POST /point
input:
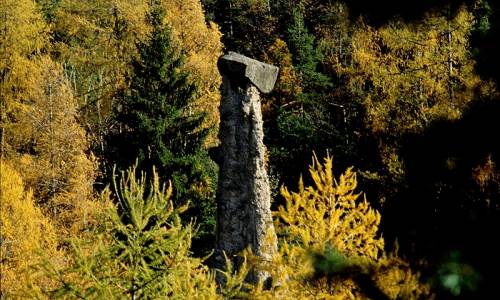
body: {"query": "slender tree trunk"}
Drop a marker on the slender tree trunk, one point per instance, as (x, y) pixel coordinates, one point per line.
(53, 182)
(450, 58)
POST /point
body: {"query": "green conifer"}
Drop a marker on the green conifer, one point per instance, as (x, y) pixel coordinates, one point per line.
(306, 55)
(158, 125)
(140, 250)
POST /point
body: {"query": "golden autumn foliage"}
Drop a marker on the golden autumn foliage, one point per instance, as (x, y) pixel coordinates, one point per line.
(289, 83)
(486, 174)
(40, 132)
(98, 41)
(23, 35)
(414, 73)
(56, 166)
(23, 30)
(25, 231)
(405, 76)
(395, 277)
(95, 44)
(346, 86)
(203, 47)
(330, 212)
(331, 220)
(154, 258)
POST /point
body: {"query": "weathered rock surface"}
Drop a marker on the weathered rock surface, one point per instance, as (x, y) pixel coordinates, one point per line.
(241, 69)
(243, 196)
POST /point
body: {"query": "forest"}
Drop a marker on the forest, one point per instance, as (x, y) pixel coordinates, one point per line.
(379, 136)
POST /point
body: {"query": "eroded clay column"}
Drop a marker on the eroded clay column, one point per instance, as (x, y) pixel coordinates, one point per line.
(243, 196)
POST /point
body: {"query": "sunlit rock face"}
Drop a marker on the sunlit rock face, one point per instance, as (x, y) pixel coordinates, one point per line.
(243, 196)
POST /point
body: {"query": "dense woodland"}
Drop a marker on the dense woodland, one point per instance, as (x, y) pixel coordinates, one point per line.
(381, 136)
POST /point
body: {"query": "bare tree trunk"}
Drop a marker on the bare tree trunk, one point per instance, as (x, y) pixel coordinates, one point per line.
(53, 183)
(450, 58)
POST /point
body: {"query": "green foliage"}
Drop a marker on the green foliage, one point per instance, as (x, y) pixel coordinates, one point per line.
(49, 8)
(330, 263)
(159, 127)
(309, 115)
(140, 250)
(154, 115)
(482, 13)
(202, 45)
(457, 276)
(249, 25)
(306, 55)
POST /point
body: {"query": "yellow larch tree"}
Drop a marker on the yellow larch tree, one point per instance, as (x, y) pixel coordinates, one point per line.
(328, 240)
(23, 34)
(417, 72)
(24, 232)
(202, 45)
(331, 212)
(56, 166)
(95, 41)
(40, 134)
(328, 214)
(289, 83)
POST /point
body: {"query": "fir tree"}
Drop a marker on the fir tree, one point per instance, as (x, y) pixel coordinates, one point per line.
(306, 55)
(159, 127)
